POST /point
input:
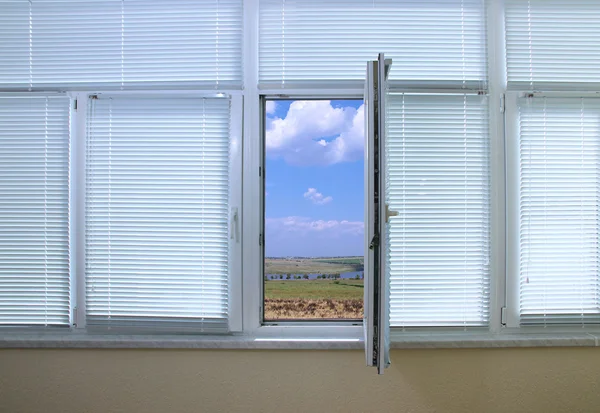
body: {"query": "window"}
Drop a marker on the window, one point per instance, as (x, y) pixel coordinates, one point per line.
(552, 138)
(552, 45)
(131, 201)
(438, 160)
(139, 227)
(34, 211)
(157, 213)
(434, 43)
(559, 207)
(438, 175)
(121, 44)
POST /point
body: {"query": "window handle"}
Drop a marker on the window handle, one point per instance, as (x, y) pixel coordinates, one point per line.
(233, 224)
(389, 213)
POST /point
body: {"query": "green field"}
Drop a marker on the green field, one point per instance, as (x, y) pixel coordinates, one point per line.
(315, 289)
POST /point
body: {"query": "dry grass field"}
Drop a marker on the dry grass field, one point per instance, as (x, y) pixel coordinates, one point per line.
(313, 299)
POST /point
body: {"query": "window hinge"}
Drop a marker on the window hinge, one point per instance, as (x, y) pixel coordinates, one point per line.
(74, 316)
(75, 105)
(503, 316)
(502, 103)
(260, 239)
(260, 171)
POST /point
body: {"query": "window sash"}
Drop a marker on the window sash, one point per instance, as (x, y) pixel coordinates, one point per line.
(555, 273)
(166, 161)
(438, 181)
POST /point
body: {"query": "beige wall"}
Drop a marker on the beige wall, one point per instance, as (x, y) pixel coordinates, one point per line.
(170, 381)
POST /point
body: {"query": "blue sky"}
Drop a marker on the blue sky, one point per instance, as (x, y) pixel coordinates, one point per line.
(314, 178)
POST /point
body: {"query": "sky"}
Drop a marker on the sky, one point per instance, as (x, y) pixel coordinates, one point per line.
(314, 204)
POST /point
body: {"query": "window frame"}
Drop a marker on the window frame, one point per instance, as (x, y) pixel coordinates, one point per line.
(513, 213)
(308, 94)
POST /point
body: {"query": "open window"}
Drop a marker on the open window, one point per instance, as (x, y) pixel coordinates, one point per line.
(313, 210)
(376, 321)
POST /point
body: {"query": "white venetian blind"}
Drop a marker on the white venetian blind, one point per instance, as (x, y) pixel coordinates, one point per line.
(120, 43)
(157, 213)
(559, 207)
(553, 44)
(325, 43)
(34, 211)
(438, 181)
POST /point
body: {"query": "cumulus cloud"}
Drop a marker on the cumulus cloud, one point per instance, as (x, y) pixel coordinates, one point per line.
(316, 133)
(304, 225)
(317, 197)
(270, 107)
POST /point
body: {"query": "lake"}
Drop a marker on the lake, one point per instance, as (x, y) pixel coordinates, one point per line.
(344, 275)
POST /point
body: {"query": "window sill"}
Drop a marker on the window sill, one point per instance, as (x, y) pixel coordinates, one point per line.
(268, 342)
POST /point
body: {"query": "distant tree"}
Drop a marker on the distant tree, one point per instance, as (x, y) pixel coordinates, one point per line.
(305, 276)
(357, 277)
(281, 276)
(318, 277)
(287, 277)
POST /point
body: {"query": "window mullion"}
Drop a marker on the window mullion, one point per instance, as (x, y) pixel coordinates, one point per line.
(497, 87)
(512, 242)
(77, 181)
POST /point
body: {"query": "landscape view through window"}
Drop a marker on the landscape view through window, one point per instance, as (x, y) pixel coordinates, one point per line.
(314, 210)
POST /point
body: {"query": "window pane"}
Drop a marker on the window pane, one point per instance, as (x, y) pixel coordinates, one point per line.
(34, 210)
(121, 44)
(438, 177)
(553, 44)
(326, 43)
(314, 210)
(157, 213)
(559, 206)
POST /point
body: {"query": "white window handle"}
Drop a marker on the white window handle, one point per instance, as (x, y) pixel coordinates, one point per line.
(389, 213)
(233, 224)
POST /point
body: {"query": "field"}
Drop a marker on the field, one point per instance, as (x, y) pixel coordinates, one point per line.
(333, 265)
(314, 299)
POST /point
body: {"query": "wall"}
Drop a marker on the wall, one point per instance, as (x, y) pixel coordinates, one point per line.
(169, 381)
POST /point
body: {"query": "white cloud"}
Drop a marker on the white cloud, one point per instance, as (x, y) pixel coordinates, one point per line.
(270, 107)
(304, 226)
(317, 197)
(316, 133)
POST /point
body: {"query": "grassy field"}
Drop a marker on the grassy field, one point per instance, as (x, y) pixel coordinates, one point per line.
(314, 299)
(312, 265)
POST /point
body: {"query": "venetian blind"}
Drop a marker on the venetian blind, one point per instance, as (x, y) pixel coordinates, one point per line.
(157, 213)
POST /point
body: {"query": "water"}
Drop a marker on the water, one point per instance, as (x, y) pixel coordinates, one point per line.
(344, 275)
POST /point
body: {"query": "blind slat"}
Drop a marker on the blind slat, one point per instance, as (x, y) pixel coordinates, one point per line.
(157, 226)
(439, 241)
(34, 211)
(325, 43)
